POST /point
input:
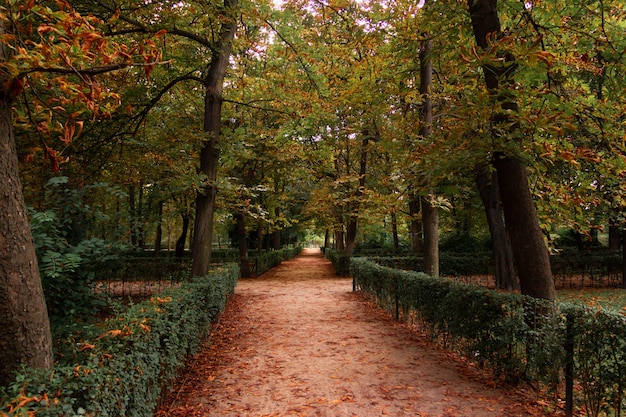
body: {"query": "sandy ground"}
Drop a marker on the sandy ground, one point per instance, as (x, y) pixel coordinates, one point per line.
(298, 342)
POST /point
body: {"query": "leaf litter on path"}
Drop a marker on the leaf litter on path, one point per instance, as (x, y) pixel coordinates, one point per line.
(298, 342)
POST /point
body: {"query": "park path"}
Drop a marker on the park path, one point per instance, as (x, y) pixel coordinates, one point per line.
(298, 342)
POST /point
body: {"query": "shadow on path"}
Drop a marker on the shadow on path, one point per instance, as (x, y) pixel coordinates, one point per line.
(298, 342)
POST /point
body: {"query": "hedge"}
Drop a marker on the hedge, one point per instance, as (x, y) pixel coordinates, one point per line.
(340, 261)
(512, 334)
(262, 263)
(135, 358)
(570, 268)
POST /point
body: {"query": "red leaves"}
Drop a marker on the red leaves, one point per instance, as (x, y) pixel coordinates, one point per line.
(51, 154)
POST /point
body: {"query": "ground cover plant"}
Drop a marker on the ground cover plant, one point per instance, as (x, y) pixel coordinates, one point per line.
(124, 365)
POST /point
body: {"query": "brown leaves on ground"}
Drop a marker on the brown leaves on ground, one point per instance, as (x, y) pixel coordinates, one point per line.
(299, 342)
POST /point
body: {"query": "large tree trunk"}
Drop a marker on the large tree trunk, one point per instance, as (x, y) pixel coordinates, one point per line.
(430, 216)
(488, 189)
(529, 249)
(24, 325)
(210, 152)
(430, 220)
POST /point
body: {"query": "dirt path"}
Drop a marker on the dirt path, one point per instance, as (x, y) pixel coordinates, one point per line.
(299, 342)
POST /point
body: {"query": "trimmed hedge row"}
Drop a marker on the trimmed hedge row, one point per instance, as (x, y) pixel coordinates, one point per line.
(512, 334)
(450, 264)
(570, 269)
(124, 367)
(262, 263)
(340, 261)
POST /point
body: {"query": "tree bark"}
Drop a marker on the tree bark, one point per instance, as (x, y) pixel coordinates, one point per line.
(25, 337)
(326, 239)
(132, 208)
(159, 228)
(139, 219)
(430, 216)
(339, 237)
(615, 237)
(353, 213)
(180, 243)
(430, 220)
(506, 277)
(394, 230)
(210, 152)
(529, 249)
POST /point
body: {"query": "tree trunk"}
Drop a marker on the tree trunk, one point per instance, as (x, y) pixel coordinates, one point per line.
(259, 237)
(24, 325)
(353, 219)
(132, 208)
(210, 152)
(529, 249)
(159, 229)
(615, 237)
(139, 218)
(394, 230)
(180, 243)
(430, 220)
(242, 242)
(326, 239)
(430, 216)
(416, 224)
(339, 238)
(506, 277)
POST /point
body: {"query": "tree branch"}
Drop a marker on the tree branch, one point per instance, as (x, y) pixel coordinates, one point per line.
(89, 71)
(141, 28)
(252, 106)
(142, 115)
(302, 63)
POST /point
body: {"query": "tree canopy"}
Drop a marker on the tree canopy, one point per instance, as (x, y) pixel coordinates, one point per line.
(310, 114)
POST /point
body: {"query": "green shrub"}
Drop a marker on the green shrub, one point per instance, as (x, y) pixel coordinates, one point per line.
(518, 337)
(67, 256)
(340, 261)
(137, 355)
(599, 352)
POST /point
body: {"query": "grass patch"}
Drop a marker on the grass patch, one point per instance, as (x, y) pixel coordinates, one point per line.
(607, 298)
